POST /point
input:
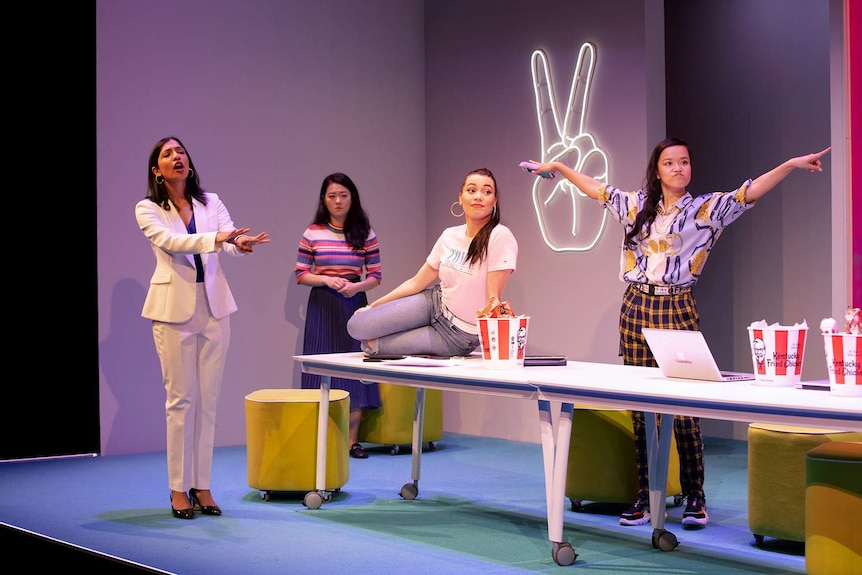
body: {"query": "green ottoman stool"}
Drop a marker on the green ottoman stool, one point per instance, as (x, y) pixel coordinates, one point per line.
(833, 507)
(601, 466)
(281, 440)
(776, 477)
(392, 423)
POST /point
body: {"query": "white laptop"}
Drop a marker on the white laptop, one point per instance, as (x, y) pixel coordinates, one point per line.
(685, 354)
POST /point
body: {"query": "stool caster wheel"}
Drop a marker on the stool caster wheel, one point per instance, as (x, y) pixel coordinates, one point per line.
(758, 539)
(265, 495)
(664, 540)
(409, 491)
(394, 449)
(563, 553)
(678, 499)
(312, 500)
(577, 505)
(432, 445)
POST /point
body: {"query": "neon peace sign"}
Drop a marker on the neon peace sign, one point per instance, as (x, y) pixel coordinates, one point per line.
(565, 226)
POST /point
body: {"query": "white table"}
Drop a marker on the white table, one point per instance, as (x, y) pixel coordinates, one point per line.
(596, 384)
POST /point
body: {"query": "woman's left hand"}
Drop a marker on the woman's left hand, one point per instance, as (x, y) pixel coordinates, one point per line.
(245, 243)
(349, 289)
(811, 162)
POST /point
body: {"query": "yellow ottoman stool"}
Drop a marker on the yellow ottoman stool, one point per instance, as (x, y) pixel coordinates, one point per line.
(833, 506)
(281, 439)
(776, 477)
(392, 423)
(601, 464)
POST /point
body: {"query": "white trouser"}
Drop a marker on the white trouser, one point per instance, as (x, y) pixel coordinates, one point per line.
(192, 355)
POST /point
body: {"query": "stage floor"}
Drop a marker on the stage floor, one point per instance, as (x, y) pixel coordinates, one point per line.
(480, 509)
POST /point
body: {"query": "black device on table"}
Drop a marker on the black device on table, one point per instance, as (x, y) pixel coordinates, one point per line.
(534, 360)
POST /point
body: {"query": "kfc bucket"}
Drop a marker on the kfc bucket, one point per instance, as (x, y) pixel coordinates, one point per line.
(776, 353)
(503, 340)
(842, 363)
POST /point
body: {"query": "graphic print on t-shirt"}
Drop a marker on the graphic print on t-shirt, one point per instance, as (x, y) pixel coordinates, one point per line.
(456, 259)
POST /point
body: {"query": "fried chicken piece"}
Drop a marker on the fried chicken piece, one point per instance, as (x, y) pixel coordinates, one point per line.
(496, 308)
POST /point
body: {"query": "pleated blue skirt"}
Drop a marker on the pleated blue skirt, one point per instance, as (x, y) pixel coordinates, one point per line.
(326, 332)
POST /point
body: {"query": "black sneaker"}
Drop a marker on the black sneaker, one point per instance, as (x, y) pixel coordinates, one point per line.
(695, 512)
(637, 514)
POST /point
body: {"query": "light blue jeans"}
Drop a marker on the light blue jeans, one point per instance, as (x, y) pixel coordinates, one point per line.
(413, 325)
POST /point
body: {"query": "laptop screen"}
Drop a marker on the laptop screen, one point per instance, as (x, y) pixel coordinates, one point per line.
(685, 354)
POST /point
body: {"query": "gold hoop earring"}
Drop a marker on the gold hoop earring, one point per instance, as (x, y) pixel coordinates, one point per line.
(452, 209)
(160, 180)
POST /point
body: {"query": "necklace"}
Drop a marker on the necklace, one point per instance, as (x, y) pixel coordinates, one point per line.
(664, 219)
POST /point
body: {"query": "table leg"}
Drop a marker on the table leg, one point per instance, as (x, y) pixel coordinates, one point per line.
(555, 454)
(411, 490)
(314, 499)
(658, 457)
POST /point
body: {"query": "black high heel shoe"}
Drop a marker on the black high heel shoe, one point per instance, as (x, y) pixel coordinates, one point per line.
(188, 513)
(205, 509)
(358, 452)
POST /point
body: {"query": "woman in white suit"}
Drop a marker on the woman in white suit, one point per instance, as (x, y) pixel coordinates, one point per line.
(190, 303)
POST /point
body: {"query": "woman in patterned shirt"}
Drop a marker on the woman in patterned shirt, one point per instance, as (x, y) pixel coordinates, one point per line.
(333, 252)
(668, 237)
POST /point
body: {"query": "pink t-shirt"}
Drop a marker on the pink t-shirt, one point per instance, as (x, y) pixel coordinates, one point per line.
(463, 287)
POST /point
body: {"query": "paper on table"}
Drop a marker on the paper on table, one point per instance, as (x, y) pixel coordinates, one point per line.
(424, 361)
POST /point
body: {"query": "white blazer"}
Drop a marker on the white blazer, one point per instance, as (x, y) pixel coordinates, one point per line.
(171, 295)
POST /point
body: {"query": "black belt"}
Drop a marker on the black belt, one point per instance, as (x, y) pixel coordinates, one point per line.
(660, 290)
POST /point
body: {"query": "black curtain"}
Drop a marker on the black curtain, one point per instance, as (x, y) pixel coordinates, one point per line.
(51, 405)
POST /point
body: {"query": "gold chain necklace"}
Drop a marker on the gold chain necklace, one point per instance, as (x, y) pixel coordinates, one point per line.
(664, 220)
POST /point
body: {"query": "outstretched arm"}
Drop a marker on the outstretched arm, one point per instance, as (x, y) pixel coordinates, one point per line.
(423, 278)
(587, 184)
(770, 179)
(496, 282)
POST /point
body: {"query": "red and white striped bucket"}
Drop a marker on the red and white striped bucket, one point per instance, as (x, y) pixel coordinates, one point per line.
(503, 341)
(842, 363)
(776, 353)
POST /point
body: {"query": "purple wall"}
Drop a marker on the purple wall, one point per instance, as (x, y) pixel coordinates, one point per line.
(406, 96)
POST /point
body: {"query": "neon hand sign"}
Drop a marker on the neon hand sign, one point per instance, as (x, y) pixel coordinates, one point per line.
(557, 201)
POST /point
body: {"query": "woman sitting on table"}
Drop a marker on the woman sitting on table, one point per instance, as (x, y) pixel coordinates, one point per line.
(472, 263)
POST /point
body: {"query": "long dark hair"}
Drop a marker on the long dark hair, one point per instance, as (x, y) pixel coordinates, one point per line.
(357, 226)
(652, 187)
(158, 192)
(478, 250)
